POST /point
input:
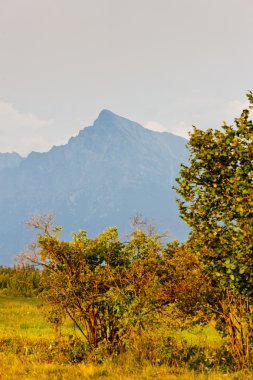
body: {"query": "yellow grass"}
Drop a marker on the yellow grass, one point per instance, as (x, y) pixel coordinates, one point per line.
(15, 367)
(25, 352)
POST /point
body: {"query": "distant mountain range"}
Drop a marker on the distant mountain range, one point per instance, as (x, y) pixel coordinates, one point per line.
(9, 160)
(103, 177)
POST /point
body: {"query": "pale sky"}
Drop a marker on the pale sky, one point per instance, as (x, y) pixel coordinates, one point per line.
(167, 64)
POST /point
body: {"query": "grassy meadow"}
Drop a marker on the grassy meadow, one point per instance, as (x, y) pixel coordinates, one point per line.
(29, 350)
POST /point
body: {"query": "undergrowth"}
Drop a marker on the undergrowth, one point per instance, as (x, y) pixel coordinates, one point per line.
(151, 354)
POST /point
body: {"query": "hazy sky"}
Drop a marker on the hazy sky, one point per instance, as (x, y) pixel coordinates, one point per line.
(167, 64)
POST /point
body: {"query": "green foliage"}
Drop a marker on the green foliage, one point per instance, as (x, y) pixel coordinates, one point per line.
(111, 290)
(20, 281)
(167, 353)
(217, 202)
(106, 287)
(216, 190)
(191, 286)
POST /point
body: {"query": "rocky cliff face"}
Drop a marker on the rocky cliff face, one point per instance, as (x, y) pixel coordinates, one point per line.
(104, 176)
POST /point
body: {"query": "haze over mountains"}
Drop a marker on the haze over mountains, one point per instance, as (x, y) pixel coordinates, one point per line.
(9, 160)
(102, 177)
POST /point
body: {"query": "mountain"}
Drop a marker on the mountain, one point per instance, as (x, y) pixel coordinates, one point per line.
(102, 177)
(9, 160)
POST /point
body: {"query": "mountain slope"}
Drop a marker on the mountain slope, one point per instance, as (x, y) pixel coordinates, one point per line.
(102, 177)
(9, 160)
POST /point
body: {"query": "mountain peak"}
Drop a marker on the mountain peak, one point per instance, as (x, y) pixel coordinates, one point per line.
(107, 117)
(102, 177)
(106, 113)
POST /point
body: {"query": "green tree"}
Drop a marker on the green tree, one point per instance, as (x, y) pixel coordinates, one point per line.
(106, 287)
(216, 200)
(113, 290)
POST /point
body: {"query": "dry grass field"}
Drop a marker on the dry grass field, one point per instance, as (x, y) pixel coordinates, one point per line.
(27, 351)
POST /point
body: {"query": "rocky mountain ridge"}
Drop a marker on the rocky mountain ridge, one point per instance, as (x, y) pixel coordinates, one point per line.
(102, 177)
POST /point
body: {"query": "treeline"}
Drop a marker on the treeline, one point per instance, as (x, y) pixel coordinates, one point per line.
(20, 281)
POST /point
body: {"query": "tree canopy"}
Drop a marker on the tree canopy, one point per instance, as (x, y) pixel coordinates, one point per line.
(109, 288)
(216, 200)
(216, 190)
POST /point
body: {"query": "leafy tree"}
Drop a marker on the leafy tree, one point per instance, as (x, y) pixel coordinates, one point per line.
(112, 289)
(106, 287)
(216, 190)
